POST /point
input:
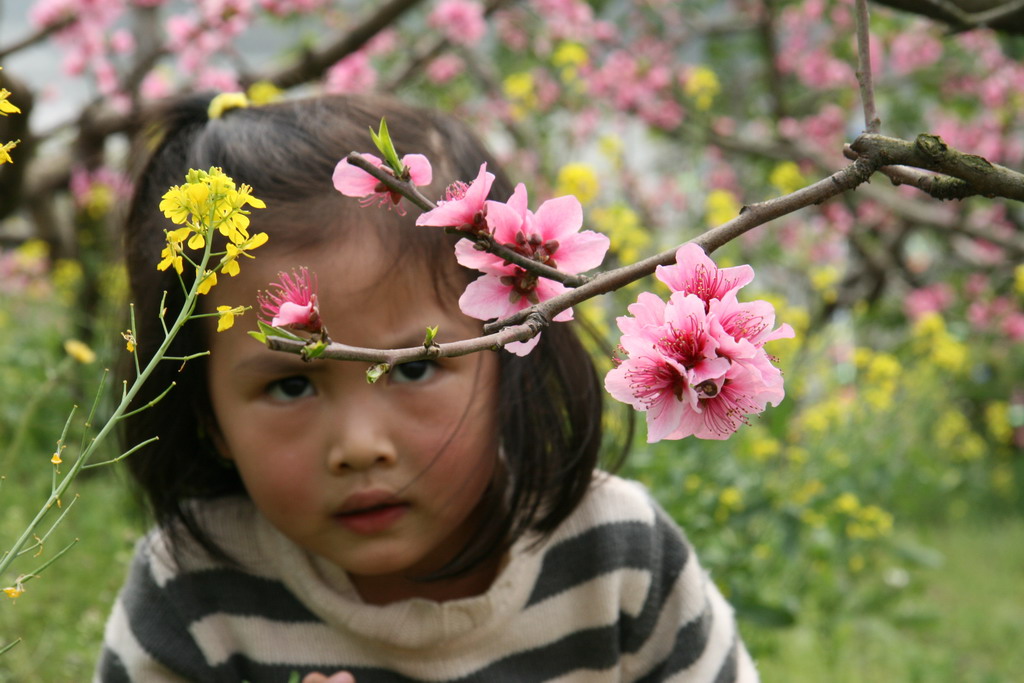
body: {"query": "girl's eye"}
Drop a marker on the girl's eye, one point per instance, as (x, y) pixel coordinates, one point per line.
(414, 371)
(290, 388)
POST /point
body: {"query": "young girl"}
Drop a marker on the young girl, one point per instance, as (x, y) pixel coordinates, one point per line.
(444, 524)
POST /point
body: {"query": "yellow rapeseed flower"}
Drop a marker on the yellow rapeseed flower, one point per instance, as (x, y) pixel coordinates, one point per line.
(786, 177)
(622, 225)
(997, 420)
(208, 281)
(6, 106)
(5, 151)
(720, 206)
(129, 340)
(80, 351)
(14, 591)
(578, 179)
(568, 58)
(226, 316)
(847, 503)
(56, 459)
(520, 89)
(702, 85)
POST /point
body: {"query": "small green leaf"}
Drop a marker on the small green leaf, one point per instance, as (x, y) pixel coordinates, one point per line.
(387, 148)
(314, 349)
(376, 372)
(271, 331)
(258, 336)
(428, 341)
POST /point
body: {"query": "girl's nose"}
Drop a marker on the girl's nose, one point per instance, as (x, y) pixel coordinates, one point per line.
(361, 440)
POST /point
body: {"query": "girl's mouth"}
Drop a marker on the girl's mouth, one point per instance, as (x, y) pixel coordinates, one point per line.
(372, 520)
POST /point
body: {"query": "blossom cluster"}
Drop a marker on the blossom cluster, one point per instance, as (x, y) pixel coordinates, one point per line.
(208, 201)
(551, 236)
(696, 364)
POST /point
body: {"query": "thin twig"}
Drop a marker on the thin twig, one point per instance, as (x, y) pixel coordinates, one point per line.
(867, 92)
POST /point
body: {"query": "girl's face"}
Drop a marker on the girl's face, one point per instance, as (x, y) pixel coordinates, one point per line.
(383, 479)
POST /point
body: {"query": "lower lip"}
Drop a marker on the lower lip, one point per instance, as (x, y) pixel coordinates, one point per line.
(373, 521)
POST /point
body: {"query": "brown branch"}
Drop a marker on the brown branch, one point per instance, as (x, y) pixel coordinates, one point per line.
(313, 64)
(867, 91)
(968, 174)
(37, 37)
(528, 322)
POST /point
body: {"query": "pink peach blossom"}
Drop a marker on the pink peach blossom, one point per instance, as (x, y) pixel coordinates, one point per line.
(551, 236)
(464, 206)
(695, 273)
(353, 181)
(291, 303)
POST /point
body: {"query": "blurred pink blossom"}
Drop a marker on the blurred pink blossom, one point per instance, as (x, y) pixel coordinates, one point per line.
(932, 299)
(461, 21)
(353, 74)
(444, 68)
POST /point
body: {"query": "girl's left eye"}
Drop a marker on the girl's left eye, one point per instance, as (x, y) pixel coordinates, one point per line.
(290, 389)
(414, 371)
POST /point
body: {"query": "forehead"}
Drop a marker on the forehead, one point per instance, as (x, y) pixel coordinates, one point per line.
(366, 288)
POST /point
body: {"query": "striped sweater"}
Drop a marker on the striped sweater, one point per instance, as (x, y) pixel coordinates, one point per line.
(616, 594)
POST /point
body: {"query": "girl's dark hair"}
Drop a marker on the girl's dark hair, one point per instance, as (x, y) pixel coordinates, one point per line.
(550, 400)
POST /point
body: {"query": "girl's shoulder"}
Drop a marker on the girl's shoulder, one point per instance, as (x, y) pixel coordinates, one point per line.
(230, 523)
(618, 521)
(613, 499)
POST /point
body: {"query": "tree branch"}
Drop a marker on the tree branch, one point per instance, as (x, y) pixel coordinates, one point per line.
(867, 92)
(969, 174)
(528, 322)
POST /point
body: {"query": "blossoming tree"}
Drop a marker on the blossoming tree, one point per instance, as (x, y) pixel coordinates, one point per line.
(654, 133)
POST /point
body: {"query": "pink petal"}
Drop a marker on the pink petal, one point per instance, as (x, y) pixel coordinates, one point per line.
(524, 347)
(558, 218)
(292, 314)
(353, 181)
(486, 298)
(580, 252)
(469, 256)
(420, 172)
(456, 212)
(696, 273)
(504, 221)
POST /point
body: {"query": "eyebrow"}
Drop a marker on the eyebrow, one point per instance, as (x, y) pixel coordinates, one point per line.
(274, 363)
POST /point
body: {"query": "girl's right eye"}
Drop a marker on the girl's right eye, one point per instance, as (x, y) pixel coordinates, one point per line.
(290, 388)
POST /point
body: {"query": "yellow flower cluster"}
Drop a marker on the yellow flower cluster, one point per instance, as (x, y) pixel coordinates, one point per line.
(881, 377)
(702, 85)
(521, 91)
(862, 521)
(953, 434)
(578, 179)
(720, 206)
(568, 58)
(7, 107)
(786, 177)
(207, 201)
(942, 349)
(622, 225)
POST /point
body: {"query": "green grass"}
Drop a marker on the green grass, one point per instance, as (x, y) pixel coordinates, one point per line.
(965, 622)
(61, 615)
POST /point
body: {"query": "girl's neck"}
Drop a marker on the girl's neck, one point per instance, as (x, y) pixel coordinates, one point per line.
(384, 590)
